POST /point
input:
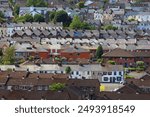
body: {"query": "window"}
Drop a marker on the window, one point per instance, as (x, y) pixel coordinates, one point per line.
(120, 73)
(104, 73)
(88, 73)
(105, 78)
(114, 73)
(77, 73)
(118, 78)
(109, 73)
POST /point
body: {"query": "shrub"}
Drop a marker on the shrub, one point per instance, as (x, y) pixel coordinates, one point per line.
(111, 62)
(57, 86)
(128, 76)
(131, 69)
(31, 58)
(68, 70)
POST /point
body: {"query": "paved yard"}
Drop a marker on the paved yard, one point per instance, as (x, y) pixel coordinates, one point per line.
(137, 75)
(111, 86)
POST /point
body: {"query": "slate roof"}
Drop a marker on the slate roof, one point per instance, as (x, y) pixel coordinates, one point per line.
(118, 53)
(74, 50)
(35, 95)
(142, 82)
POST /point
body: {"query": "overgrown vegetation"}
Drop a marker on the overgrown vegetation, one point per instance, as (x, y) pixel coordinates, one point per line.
(8, 57)
(78, 24)
(2, 18)
(140, 66)
(80, 5)
(30, 18)
(60, 16)
(111, 62)
(56, 86)
(100, 60)
(128, 76)
(37, 3)
(131, 19)
(99, 52)
(67, 70)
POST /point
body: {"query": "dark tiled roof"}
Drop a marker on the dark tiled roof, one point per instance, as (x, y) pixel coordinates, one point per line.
(129, 88)
(124, 53)
(87, 82)
(74, 49)
(142, 82)
(34, 95)
(122, 96)
(142, 54)
(18, 74)
(27, 78)
(118, 53)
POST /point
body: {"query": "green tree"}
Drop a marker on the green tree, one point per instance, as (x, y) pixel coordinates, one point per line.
(56, 86)
(2, 19)
(68, 70)
(52, 15)
(86, 26)
(30, 3)
(70, 2)
(137, 1)
(62, 16)
(106, 1)
(16, 10)
(19, 19)
(38, 18)
(76, 23)
(99, 52)
(36, 3)
(140, 63)
(9, 56)
(11, 3)
(80, 5)
(140, 66)
(1, 53)
(1, 14)
(28, 18)
(41, 3)
(111, 62)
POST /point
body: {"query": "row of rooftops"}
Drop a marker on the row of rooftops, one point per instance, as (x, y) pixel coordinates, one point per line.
(118, 34)
(67, 95)
(60, 44)
(32, 25)
(80, 47)
(123, 53)
(102, 34)
(62, 67)
(30, 79)
(133, 89)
